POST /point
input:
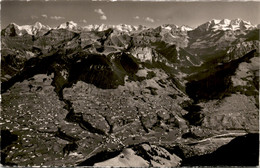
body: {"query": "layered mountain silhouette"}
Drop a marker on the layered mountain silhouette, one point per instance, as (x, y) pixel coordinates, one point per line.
(108, 82)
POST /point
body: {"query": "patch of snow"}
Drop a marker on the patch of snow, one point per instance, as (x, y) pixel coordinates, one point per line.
(68, 25)
(186, 28)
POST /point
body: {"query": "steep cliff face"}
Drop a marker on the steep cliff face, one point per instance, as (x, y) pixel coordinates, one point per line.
(72, 95)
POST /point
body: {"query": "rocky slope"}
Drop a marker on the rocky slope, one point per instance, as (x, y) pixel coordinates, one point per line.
(108, 95)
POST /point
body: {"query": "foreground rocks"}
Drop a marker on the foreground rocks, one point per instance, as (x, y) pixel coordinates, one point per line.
(151, 155)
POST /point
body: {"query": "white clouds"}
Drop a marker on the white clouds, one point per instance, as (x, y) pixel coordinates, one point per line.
(44, 16)
(136, 17)
(103, 17)
(101, 13)
(148, 19)
(34, 17)
(57, 17)
(83, 21)
(51, 17)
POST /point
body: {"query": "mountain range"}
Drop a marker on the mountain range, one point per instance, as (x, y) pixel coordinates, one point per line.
(213, 25)
(113, 94)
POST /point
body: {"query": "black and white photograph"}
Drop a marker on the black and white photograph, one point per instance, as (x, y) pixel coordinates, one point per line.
(127, 83)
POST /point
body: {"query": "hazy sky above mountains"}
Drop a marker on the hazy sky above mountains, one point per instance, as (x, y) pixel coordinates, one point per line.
(153, 14)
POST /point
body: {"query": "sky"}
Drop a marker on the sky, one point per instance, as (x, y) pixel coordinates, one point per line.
(149, 13)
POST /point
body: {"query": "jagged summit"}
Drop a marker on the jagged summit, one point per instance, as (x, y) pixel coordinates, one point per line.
(176, 27)
(125, 27)
(169, 26)
(186, 28)
(15, 29)
(70, 25)
(119, 27)
(226, 24)
(39, 25)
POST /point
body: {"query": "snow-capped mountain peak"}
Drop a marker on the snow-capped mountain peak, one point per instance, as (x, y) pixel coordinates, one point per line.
(90, 27)
(236, 21)
(70, 25)
(27, 29)
(170, 27)
(39, 26)
(125, 27)
(210, 26)
(215, 21)
(119, 27)
(95, 27)
(186, 28)
(102, 27)
(226, 24)
(243, 25)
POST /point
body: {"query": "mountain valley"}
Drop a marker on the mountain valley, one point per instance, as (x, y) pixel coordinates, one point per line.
(123, 95)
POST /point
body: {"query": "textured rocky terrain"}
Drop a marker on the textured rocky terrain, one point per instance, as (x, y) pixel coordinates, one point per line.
(130, 95)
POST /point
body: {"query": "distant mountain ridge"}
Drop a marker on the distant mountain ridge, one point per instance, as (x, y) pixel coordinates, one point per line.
(226, 24)
(213, 25)
(14, 29)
